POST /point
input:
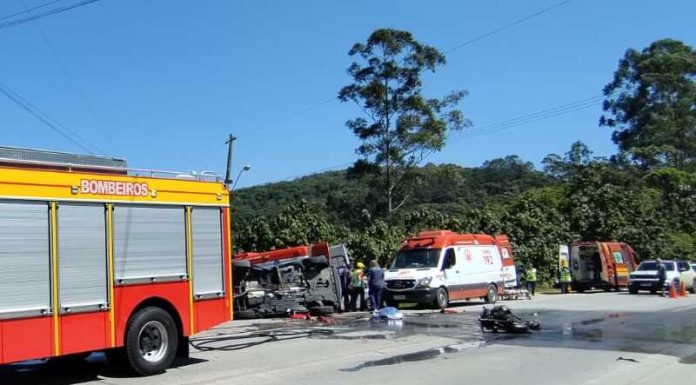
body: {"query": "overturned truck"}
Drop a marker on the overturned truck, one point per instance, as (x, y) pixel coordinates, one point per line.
(295, 280)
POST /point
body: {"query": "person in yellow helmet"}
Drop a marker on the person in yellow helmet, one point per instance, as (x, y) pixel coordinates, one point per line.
(357, 288)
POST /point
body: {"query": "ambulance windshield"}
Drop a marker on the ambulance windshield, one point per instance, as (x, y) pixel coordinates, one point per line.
(417, 258)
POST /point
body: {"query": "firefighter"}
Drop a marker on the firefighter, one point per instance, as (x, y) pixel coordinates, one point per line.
(565, 279)
(357, 288)
(530, 276)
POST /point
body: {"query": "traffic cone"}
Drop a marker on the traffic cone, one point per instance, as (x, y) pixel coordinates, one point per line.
(672, 291)
(682, 290)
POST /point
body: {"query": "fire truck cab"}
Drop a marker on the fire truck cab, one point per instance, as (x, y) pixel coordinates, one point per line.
(437, 267)
(98, 257)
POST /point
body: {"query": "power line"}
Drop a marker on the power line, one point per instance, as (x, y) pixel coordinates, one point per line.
(30, 9)
(488, 129)
(46, 120)
(509, 25)
(53, 11)
(62, 65)
(530, 118)
(456, 47)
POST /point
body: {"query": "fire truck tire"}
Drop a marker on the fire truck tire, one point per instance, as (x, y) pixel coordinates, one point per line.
(151, 341)
(491, 294)
(442, 298)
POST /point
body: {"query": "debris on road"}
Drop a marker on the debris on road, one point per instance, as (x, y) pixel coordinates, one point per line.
(501, 318)
(389, 313)
(628, 359)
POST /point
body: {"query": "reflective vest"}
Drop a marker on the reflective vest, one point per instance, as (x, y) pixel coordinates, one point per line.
(565, 275)
(531, 275)
(356, 278)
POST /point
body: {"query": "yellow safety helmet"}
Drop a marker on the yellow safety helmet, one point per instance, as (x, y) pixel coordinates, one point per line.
(360, 265)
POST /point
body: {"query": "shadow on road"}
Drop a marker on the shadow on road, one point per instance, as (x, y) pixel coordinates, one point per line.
(67, 371)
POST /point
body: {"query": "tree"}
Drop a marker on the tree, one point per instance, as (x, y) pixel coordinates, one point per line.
(401, 125)
(577, 157)
(652, 104)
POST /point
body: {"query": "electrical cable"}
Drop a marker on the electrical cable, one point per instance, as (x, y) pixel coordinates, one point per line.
(30, 9)
(44, 118)
(15, 22)
(530, 118)
(508, 26)
(228, 342)
(64, 67)
(456, 47)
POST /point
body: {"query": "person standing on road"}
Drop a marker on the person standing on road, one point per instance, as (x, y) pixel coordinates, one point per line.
(565, 280)
(661, 276)
(530, 276)
(344, 273)
(356, 287)
(375, 284)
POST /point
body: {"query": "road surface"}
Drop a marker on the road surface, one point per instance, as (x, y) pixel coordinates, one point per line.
(590, 338)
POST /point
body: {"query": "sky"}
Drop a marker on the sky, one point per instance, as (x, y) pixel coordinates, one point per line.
(162, 83)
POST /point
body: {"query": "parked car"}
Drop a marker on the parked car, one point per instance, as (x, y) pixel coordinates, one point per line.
(645, 277)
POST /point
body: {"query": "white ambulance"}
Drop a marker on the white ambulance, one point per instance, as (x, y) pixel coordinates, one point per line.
(437, 267)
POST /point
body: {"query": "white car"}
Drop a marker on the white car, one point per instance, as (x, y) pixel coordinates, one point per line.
(645, 277)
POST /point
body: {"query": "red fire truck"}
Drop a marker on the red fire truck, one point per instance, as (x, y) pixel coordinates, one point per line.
(97, 257)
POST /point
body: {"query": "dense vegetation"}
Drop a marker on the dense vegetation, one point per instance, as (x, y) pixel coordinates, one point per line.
(645, 195)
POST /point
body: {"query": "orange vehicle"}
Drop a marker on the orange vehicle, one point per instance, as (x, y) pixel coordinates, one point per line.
(97, 257)
(437, 267)
(599, 265)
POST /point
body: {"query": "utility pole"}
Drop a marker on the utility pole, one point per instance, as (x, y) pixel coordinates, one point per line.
(228, 174)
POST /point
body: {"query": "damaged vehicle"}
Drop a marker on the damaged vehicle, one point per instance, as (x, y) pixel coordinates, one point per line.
(501, 319)
(297, 280)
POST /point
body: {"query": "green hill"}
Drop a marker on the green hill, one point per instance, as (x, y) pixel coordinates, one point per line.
(574, 198)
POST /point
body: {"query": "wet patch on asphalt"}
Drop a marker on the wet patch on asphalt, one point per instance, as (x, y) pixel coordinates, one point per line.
(672, 333)
(422, 355)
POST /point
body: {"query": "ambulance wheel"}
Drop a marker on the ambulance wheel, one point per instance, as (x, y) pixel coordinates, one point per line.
(151, 341)
(442, 298)
(491, 294)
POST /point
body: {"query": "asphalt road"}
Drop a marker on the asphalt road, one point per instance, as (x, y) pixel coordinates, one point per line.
(590, 338)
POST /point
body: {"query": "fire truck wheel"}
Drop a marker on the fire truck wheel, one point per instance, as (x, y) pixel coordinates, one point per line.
(491, 294)
(442, 298)
(151, 341)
